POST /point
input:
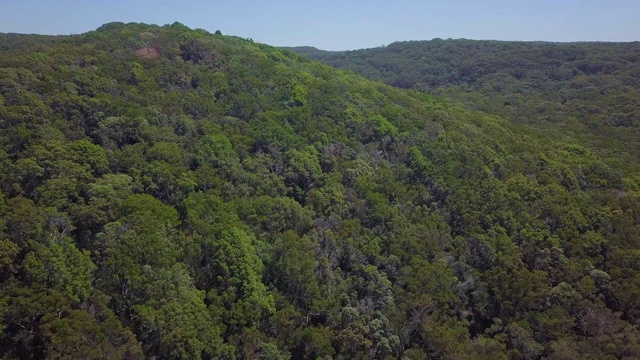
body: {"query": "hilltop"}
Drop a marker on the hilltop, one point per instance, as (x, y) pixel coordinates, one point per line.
(172, 193)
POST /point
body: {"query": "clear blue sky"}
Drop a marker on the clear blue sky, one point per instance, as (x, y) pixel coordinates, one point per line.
(341, 25)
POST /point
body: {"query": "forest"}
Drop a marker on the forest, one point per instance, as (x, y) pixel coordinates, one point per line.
(583, 92)
(170, 193)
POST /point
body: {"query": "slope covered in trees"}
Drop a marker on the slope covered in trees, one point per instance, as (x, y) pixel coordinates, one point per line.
(171, 193)
(582, 92)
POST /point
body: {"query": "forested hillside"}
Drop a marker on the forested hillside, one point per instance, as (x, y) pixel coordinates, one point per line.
(582, 92)
(168, 193)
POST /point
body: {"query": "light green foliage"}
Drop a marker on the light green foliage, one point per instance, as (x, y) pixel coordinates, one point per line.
(150, 208)
(303, 168)
(299, 96)
(383, 126)
(59, 266)
(111, 186)
(177, 314)
(94, 155)
(216, 150)
(236, 276)
(226, 262)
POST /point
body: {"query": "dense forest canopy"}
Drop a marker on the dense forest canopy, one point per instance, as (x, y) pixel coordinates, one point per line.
(576, 92)
(169, 193)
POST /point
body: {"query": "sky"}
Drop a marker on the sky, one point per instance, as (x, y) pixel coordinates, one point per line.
(342, 25)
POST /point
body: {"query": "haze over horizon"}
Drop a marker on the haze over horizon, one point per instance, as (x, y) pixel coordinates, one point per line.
(338, 25)
(172, 193)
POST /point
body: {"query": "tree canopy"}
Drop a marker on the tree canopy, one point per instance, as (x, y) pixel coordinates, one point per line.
(171, 193)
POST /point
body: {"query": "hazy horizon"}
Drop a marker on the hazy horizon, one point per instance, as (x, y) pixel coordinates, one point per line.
(335, 25)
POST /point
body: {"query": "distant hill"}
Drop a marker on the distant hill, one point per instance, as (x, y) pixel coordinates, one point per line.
(589, 92)
(428, 65)
(168, 193)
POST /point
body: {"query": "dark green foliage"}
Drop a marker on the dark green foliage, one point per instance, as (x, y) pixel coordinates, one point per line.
(170, 193)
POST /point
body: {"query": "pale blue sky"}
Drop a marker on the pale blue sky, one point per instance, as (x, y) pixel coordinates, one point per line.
(342, 25)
